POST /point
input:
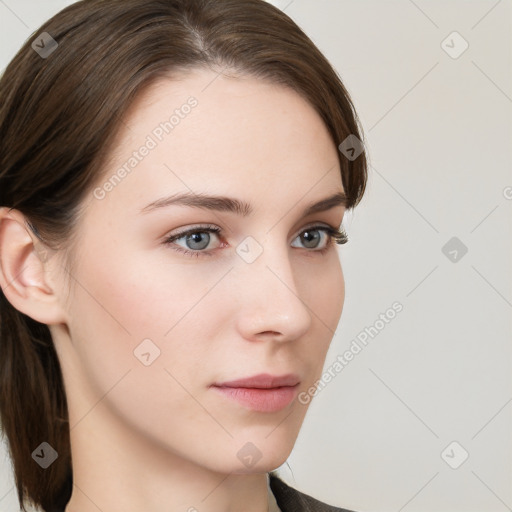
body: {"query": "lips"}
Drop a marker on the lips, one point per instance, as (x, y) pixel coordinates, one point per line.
(262, 381)
(262, 393)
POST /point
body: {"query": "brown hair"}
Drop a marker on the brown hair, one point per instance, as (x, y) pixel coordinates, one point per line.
(59, 116)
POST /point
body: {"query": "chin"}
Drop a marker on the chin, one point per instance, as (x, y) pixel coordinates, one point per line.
(264, 465)
(263, 450)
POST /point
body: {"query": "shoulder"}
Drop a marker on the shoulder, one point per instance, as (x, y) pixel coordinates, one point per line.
(292, 500)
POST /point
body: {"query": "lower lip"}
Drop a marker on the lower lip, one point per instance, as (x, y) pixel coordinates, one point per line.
(261, 400)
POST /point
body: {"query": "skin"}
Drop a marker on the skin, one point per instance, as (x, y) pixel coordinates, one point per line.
(158, 437)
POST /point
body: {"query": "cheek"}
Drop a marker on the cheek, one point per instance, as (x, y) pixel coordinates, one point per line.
(325, 299)
(325, 292)
(126, 312)
(134, 299)
(141, 336)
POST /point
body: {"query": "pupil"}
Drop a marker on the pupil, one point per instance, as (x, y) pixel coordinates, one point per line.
(195, 238)
(313, 236)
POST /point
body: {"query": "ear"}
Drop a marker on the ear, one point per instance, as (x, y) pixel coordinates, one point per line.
(23, 274)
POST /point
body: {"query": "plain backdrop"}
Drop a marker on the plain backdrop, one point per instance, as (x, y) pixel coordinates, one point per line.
(421, 419)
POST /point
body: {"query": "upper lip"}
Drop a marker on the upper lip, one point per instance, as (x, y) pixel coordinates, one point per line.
(263, 381)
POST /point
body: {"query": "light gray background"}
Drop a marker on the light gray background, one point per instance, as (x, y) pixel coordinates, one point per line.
(439, 135)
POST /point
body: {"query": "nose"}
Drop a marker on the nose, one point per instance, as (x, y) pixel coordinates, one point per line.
(269, 299)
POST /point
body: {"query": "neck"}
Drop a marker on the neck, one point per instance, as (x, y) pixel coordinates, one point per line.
(113, 470)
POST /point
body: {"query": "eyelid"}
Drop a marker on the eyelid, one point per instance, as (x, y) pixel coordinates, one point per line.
(336, 236)
(217, 229)
(192, 229)
(338, 233)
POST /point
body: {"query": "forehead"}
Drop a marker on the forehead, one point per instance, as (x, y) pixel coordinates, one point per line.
(205, 131)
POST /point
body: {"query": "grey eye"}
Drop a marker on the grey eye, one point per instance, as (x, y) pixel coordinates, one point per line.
(311, 238)
(197, 241)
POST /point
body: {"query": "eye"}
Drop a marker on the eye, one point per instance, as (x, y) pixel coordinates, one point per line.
(324, 236)
(197, 239)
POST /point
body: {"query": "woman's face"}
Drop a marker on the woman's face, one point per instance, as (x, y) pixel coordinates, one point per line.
(151, 328)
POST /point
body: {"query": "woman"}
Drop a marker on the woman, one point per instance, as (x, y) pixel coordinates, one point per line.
(173, 175)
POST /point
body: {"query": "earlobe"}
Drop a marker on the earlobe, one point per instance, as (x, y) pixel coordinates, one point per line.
(23, 278)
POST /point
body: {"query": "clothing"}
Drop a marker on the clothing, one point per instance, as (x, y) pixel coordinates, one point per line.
(289, 499)
(272, 503)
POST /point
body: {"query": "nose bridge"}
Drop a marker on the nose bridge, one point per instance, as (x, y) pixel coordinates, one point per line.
(270, 300)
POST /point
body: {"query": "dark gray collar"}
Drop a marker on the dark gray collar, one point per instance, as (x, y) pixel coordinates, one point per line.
(290, 500)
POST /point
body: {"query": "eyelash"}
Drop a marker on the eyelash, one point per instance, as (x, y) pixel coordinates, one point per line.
(335, 236)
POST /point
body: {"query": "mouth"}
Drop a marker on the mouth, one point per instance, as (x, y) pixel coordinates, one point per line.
(262, 393)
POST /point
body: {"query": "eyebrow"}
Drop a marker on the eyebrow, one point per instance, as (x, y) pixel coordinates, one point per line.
(229, 204)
